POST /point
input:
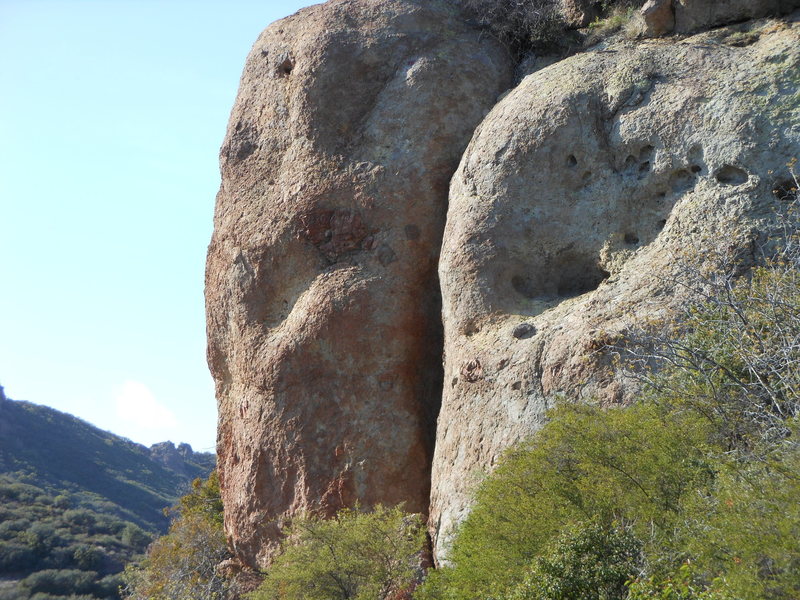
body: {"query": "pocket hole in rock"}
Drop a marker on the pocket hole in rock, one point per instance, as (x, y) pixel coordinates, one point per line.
(646, 153)
(730, 175)
(631, 239)
(564, 276)
(682, 180)
(523, 286)
(572, 161)
(285, 68)
(575, 283)
(785, 190)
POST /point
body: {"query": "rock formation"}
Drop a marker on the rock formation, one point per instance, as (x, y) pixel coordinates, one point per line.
(580, 13)
(580, 198)
(323, 304)
(661, 17)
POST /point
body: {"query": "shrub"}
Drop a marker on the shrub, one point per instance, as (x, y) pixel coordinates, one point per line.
(684, 584)
(60, 582)
(109, 586)
(79, 517)
(591, 561)
(134, 536)
(705, 468)
(63, 501)
(87, 557)
(633, 465)
(539, 25)
(733, 357)
(356, 555)
(182, 564)
(16, 558)
(520, 24)
(41, 537)
(747, 531)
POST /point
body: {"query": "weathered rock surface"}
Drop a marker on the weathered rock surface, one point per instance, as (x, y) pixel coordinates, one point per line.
(578, 201)
(660, 17)
(692, 15)
(657, 18)
(322, 298)
(580, 13)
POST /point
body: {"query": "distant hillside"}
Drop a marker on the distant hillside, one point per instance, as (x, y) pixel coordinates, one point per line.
(61, 453)
(78, 503)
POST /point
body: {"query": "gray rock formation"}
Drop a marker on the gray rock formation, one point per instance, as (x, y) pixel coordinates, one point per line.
(323, 307)
(660, 17)
(579, 200)
(693, 15)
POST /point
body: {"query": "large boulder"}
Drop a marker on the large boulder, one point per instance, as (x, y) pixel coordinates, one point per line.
(577, 204)
(324, 330)
(659, 17)
(693, 15)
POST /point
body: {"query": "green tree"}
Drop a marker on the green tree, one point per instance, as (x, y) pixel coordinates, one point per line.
(134, 536)
(356, 555)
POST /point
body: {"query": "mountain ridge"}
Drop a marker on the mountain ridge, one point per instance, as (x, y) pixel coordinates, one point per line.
(82, 457)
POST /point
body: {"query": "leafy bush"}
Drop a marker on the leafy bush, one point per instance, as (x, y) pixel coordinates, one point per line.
(633, 465)
(87, 557)
(182, 564)
(539, 25)
(16, 558)
(747, 531)
(704, 469)
(682, 585)
(356, 555)
(733, 357)
(133, 536)
(41, 537)
(80, 517)
(60, 582)
(590, 561)
(109, 586)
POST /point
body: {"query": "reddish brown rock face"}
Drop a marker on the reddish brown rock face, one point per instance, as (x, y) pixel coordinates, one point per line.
(322, 297)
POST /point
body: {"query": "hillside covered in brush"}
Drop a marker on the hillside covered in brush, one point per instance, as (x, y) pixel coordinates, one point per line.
(78, 503)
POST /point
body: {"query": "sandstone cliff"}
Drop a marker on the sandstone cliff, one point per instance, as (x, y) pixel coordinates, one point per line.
(582, 194)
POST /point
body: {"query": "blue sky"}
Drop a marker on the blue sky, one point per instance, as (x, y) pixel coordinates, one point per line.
(111, 116)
